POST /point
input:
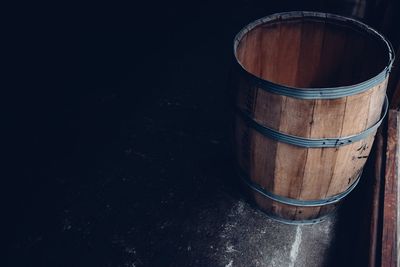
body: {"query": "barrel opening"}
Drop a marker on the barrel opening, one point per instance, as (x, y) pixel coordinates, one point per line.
(312, 52)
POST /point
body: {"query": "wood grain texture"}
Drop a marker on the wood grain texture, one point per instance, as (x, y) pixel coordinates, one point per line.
(280, 175)
(394, 83)
(269, 45)
(288, 53)
(391, 205)
(375, 201)
(311, 45)
(306, 53)
(311, 52)
(395, 102)
(331, 58)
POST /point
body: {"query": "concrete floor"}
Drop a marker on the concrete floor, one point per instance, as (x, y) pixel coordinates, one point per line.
(244, 236)
(130, 163)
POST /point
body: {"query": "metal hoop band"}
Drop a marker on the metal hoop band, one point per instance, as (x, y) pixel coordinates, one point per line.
(314, 93)
(298, 202)
(312, 142)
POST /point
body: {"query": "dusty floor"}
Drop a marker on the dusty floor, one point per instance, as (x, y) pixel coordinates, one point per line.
(128, 156)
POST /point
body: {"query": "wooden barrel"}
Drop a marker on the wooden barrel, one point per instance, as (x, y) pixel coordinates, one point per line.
(310, 95)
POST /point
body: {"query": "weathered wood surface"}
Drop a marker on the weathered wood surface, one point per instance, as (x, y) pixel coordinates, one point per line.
(390, 235)
(394, 84)
(375, 199)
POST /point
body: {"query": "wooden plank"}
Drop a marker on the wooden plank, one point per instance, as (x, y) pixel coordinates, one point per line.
(263, 165)
(375, 202)
(390, 247)
(291, 160)
(289, 52)
(376, 103)
(331, 58)
(395, 101)
(248, 51)
(266, 111)
(312, 39)
(394, 83)
(269, 45)
(289, 176)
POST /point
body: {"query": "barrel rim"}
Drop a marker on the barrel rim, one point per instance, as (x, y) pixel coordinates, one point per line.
(314, 92)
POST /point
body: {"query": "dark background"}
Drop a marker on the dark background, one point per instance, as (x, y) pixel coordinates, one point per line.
(122, 123)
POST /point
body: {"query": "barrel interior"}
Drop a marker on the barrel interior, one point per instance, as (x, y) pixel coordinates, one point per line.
(312, 52)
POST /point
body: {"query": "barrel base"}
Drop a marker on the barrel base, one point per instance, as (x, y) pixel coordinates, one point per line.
(291, 214)
(293, 211)
(301, 222)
